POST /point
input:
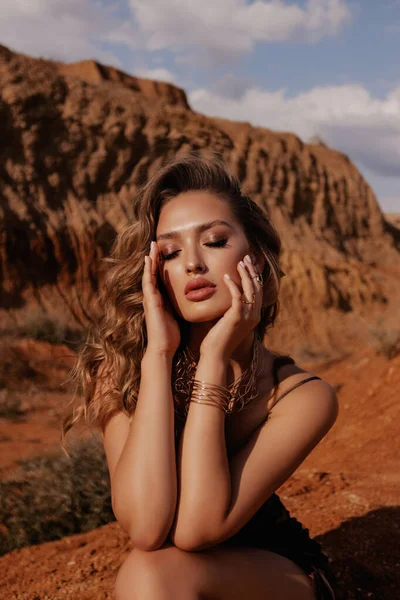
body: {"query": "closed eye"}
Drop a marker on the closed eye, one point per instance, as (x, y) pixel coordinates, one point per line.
(219, 244)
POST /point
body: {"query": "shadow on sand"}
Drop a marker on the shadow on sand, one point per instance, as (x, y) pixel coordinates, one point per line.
(365, 553)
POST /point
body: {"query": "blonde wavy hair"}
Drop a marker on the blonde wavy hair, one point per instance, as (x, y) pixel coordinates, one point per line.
(117, 339)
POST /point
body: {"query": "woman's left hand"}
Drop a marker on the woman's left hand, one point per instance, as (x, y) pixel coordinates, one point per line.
(240, 319)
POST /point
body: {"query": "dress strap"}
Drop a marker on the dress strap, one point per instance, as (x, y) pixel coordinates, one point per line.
(294, 387)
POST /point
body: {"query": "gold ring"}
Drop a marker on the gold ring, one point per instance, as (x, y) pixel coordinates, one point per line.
(247, 302)
(259, 278)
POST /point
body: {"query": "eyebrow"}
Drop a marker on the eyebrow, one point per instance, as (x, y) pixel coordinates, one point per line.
(198, 229)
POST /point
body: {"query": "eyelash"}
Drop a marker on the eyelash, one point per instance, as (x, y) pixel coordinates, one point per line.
(219, 244)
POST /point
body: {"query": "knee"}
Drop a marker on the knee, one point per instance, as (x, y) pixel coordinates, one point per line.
(139, 571)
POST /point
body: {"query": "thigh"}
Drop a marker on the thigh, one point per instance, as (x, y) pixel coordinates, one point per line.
(222, 572)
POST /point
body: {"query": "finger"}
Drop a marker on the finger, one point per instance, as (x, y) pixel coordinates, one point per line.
(253, 273)
(247, 283)
(148, 280)
(257, 286)
(234, 290)
(154, 256)
(147, 277)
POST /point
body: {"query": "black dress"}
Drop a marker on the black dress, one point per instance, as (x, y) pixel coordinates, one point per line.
(272, 527)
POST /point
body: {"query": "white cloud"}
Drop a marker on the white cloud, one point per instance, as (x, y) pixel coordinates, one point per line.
(65, 30)
(346, 117)
(390, 205)
(203, 31)
(158, 74)
(233, 86)
(222, 31)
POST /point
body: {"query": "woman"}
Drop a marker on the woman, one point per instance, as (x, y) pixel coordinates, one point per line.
(201, 423)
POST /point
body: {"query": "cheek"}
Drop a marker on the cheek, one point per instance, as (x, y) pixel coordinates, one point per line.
(232, 261)
(169, 279)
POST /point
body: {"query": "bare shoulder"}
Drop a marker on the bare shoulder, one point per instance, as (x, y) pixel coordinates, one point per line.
(299, 391)
(312, 404)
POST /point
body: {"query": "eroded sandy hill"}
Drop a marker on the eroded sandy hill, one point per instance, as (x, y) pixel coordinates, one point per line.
(79, 139)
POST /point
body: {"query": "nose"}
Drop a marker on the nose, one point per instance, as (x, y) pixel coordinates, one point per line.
(193, 257)
(194, 262)
(195, 267)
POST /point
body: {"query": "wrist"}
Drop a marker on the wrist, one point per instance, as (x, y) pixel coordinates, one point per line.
(213, 356)
(212, 368)
(154, 354)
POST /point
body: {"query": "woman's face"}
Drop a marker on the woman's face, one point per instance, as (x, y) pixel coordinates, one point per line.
(187, 252)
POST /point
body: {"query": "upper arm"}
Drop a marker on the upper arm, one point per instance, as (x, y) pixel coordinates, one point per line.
(115, 432)
(274, 451)
(114, 437)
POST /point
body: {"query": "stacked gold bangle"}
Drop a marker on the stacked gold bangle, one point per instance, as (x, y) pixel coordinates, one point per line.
(210, 393)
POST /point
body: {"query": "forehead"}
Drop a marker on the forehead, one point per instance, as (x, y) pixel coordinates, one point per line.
(191, 208)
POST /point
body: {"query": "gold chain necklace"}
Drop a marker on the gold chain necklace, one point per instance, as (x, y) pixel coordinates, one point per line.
(242, 391)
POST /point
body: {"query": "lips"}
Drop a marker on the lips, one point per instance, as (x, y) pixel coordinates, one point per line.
(199, 282)
(201, 293)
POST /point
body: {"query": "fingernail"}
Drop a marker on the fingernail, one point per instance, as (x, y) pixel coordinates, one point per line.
(226, 276)
(247, 257)
(151, 246)
(241, 263)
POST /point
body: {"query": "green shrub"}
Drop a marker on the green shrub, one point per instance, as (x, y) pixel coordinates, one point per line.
(56, 497)
(39, 326)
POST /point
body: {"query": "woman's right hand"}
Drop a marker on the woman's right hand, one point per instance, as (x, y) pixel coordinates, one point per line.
(163, 333)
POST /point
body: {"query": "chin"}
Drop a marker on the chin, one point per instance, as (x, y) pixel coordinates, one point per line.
(201, 313)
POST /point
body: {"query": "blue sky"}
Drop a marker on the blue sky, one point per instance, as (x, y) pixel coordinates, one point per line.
(313, 67)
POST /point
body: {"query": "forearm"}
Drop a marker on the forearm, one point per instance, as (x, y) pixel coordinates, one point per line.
(146, 479)
(203, 467)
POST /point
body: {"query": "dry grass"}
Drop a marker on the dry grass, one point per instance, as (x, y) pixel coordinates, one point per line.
(37, 325)
(40, 327)
(56, 497)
